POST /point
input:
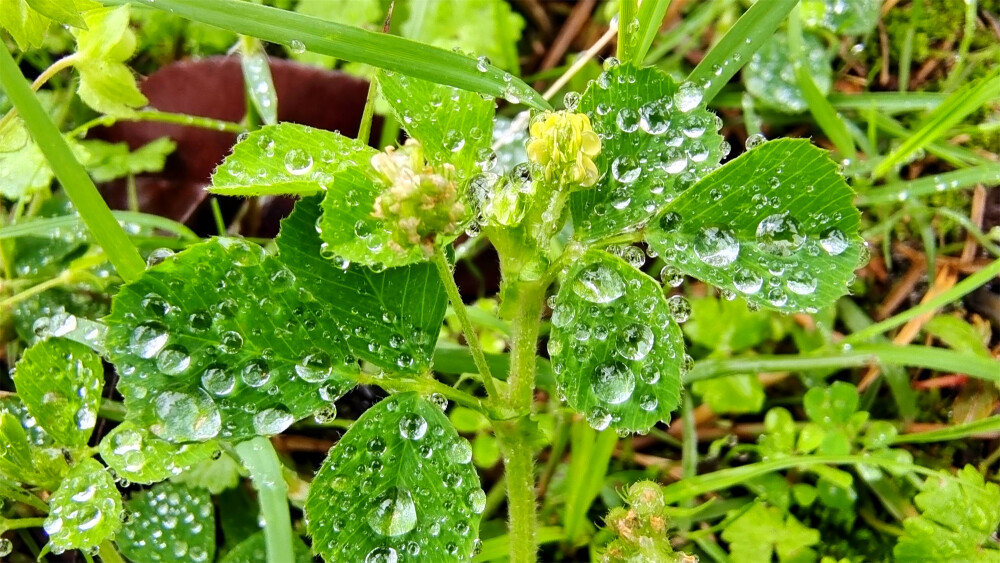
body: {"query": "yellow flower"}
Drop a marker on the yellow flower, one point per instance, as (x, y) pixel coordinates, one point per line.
(419, 201)
(564, 145)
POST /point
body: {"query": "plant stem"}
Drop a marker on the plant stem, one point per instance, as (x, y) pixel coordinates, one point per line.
(261, 461)
(109, 554)
(448, 279)
(71, 174)
(161, 117)
(20, 523)
(44, 77)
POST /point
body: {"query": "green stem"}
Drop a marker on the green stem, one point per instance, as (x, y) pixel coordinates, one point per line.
(960, 289)
(365, 129)
(20, 523)
(71, 174)
(261, 461)
(524, 346)
(44, 77)
(448, 280)
(65, 278)
(109, 554)
(161, 117)
(425, 386)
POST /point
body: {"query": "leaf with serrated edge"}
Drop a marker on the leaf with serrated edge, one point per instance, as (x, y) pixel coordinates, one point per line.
(390, 318)
(770, 74)
(791, 193)
(398, 484)
(454, 126)
(222, 341)
(85, 510)
(140, 456)
(30, 455)
(656, 139)
(254, 549)
(169, 523)
(615, 349)
(287, 158)
(60, 382)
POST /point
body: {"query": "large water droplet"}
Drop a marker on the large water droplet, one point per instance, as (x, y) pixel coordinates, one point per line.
(186, 417)
(654, 117)
(716, 246)
(412, 426)
(801, 282)
(256, 373)
(173, 360)
(272, 421)
(747, 281)
(598, 283)
(780, 234)
(687, 97)
(315, 367)
(834, 242)
(148, 339)
(679, 308)
(613, 382)
(635, 341)
(626, 169)
(298, 162)
(218, 381)
(382, 554)
(394, 513)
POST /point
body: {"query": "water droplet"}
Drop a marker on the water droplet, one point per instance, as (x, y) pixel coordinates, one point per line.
(460, 451)
(716, 246)
(635, 341)
(394, 513)
(598, 418)
(626, 169)
(654, 117)
(687, 97)
(801, 282)
(746, 281)
(272, 421)
(627, 120)
(598, 283)
(230, 342)
(834, 242)
(315, 367)
(477, 500)
(670, 221)
(412, 426)
(648, 402)
(216, 380)
(186, 418)
(671, 276)
(780, 234)
(173, 360)
(382, 554)
(297, 46)
(571, 100)
(148, 339)
(754, 141)
(256, 373)
(679, 308)
(158, 256)
(613, 383)
(298, 162)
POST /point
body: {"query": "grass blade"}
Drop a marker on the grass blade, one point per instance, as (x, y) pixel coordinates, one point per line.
(353, 44)
(949, 181)
(651, 14)
(750, 32)
(958, 432)
(71, 174)
(626, 32)
(959, 104)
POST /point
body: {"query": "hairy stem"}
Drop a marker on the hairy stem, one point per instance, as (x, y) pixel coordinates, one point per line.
(261, 461)
(448, 279)
(44, 77)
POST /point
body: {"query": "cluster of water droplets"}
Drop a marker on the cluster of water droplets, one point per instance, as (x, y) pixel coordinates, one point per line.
(169, 522)
(136, 455)
(84, 510)
(378, 485)
(611, 348)
(253, 351)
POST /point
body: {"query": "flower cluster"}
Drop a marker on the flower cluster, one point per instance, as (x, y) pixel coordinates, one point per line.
(419, 202)
(563, 145)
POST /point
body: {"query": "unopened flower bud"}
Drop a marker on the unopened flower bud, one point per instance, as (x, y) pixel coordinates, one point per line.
(563, 145)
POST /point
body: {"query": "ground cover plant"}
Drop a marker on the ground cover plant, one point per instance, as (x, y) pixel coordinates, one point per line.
(737, 286)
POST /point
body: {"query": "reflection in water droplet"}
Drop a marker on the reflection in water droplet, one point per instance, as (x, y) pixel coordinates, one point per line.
(716, 246)
(598, 283)
(613, 383)
(186, 418)
(394, 513)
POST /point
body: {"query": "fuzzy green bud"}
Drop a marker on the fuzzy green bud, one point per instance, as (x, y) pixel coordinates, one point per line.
(563, 144)
(420, 201)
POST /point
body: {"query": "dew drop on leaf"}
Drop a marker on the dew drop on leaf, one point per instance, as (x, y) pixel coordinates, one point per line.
(834, 242)
(272, 421)
(382, 555)
(412, 426)
(679, 308)
(716, 246)
(394, 513)
(148, 339)
(315, 367)
(654, 116)
(598, 418)
(256, 373)
(186, 418)
(635, 341)
(599, 284)
(218, 381)
(627, 120)
(173, 360)
(687, 97)
(754, 141)
(613, 382)
(626, 169)
(747, 281)
(298, 162)
(780, 234)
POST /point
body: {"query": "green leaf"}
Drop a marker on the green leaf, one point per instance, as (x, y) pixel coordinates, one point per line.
(959, 335)
(168, 523)
(833, 405)
(258, 81)
(25, 170)
(216, 474)
(62, 11)
(776, 225)
(733, 394)
(60, 382)
(25, 25)
(770, 74)
(657, 138)
(85, 510)
(850, 17)
(399, 483)
(222, 341)
(106, 84)
(109, 161)
(288, 158)
(354, 44)
(30, 455)
(615, 350)
(391, 318)
(136, 454)
(254, 549)
(762, 531)
(487, 28)
(454, 126)
(726, 326)
(959, 517)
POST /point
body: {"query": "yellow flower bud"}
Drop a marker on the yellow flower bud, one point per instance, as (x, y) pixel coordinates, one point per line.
(564, 145)
(419, 202)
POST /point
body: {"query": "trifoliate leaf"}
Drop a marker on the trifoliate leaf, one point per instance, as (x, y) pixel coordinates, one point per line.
(657, 138)
(222, 341)
(399, 485)
(833, 405)
(848, 17)
(60, 382)
(776, 225)
(254, 549)
(770, 74)
(288, 158)
(85, 510)
(762, 531)
(958, 521)
(454, 126)
(391, 318)
(169, 523)
(615, 350)
(726, 326)
(138, 455)
(30, 456)
(107, 36)
(109, 161)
